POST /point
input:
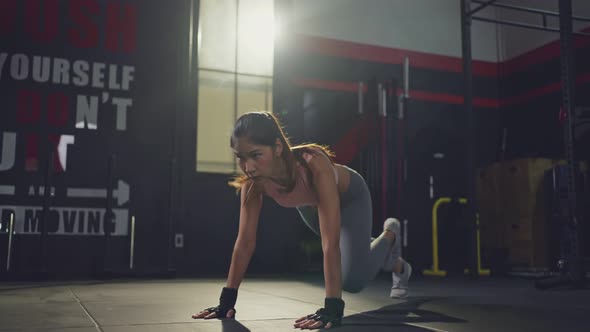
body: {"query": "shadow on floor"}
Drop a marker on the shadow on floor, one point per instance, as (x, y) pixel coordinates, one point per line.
(395, 317)
(232, 325)
(399, 315)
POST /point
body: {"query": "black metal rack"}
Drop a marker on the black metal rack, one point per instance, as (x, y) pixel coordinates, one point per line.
(574, 274)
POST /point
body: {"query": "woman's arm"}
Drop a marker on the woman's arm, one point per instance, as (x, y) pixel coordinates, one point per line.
(329, 216)
(243, 250)
(246, 240)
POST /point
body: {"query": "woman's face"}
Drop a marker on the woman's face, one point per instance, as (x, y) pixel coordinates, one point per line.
(256, 160)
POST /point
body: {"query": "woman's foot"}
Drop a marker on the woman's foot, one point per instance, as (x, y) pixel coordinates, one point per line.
(399, 289)
(392, 225)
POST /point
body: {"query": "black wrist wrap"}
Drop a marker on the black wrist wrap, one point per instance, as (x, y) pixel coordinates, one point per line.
(227, 301)
(332, 312)
(334, 306)
(228, 298)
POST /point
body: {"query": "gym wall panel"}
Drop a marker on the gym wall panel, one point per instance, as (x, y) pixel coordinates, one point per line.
(530, 99)
(518, 41)
(516, 95)
(431, 26)
(152, 141)
(96, 80)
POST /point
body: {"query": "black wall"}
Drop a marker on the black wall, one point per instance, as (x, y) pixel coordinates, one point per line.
(154, 154)
(142, 151)
(532, 101)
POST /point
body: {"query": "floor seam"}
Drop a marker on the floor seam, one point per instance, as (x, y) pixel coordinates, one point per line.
(96, 325)
(356, 312)
(299, 300)
(196, 321)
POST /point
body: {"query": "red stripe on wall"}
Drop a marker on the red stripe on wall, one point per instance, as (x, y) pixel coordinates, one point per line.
(344, 49)
(446, 98)
(538, 55)
(539, 92)
(414, 94)
(451, 99)
(328, 85)
(355, 139)
(349, 145)
(532, 94)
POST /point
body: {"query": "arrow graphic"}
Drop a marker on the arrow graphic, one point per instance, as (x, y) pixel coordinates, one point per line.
(121, 192)
(6, 190)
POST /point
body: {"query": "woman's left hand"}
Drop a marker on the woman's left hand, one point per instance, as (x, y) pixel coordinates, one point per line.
(308, 322)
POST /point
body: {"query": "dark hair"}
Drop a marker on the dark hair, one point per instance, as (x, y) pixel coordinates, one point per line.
(263, 128)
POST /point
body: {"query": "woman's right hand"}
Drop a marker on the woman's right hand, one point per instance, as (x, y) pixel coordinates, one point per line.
(214, 312)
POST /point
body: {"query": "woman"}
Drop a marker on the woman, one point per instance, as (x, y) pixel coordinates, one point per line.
(333, 201)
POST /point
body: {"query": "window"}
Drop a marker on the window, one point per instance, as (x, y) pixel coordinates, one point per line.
(236, 44)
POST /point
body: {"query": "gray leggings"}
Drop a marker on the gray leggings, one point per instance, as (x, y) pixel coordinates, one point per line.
(362, 256)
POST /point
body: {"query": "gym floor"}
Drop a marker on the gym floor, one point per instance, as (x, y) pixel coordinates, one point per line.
(272, 304)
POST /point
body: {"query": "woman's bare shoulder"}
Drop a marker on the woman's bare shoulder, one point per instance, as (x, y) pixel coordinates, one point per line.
(321, 164)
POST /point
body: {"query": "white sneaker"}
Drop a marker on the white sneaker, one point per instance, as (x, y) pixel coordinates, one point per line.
(399, 289)
(392, 225)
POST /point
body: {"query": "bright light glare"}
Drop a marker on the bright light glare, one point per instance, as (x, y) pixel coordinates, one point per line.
(256, 37)
(258, 30)
(199, 38)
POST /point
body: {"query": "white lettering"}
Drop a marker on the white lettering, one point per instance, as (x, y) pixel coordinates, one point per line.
(113, 84)
(87, 112)
(127, 76)
(62, 149)
(8, 151)
(19, 67)
(61, 69)
(122, 104)
(68, 220)
(42, 69)
(81, 73)
(98, 75)
(41, 66)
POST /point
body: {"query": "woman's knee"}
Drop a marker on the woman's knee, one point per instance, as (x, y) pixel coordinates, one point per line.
(353, 287)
